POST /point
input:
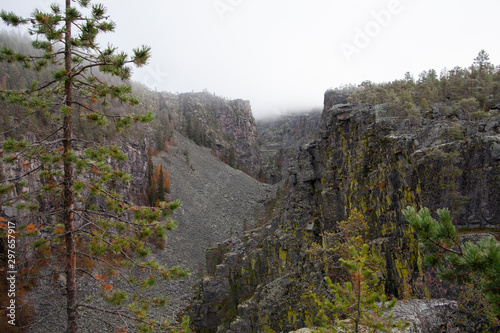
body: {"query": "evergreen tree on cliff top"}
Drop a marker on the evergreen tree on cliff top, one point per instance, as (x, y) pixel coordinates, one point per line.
(64, 191)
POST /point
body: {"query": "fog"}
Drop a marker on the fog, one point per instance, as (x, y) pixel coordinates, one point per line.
(283, 55)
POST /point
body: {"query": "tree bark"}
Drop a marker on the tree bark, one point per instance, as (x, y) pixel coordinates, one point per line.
(68, 197)
(358, 305)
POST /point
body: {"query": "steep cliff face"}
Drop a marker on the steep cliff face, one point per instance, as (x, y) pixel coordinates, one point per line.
(362, 159)
(279, 135)
(227, 127)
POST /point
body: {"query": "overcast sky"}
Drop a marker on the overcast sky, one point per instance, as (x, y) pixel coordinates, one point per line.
(283, 54)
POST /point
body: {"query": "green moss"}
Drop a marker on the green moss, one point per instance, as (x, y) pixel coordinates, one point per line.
(401, 268)
(408, 196)
(264, 321)
(306, 237)
(268, 329)
(283, 254)
(292, 316)
(363, 206)
(388, 228)
(308, 319)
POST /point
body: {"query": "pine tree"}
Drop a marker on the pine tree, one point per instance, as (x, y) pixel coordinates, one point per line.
(355, 303)
(159, 184)
(75, 210)
(232, 157)
(190, 127)
(457, 261)
(160, 188)
(151, 189)
(482, 74)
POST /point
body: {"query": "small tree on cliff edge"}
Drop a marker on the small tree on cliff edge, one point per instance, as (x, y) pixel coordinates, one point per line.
(458, 261)
(75, 218)
(352, 306)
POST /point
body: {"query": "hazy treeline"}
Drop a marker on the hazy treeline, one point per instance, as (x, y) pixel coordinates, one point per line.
(460, 92)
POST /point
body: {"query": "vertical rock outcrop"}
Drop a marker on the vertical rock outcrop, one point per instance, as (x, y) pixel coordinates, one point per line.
(362, 159)
(278, 135)
(225, 126)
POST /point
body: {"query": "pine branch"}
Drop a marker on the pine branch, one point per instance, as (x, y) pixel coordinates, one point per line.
(116, 269)
(106, 115)
(444, 248)
(45, 86)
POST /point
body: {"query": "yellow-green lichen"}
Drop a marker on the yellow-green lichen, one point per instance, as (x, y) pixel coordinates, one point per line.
(283, 254)
(292, 316)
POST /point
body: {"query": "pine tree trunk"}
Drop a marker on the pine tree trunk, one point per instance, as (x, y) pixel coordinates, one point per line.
(358, 305)
(68, 199)
(151, 190)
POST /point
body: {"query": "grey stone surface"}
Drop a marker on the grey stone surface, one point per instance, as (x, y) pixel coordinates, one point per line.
(366, 157)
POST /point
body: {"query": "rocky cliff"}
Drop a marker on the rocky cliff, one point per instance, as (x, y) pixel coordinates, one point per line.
(278, 135)
(225, 126)
(219, 202)
(365, 159)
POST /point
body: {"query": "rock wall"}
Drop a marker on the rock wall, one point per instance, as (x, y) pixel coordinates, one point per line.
(363, 159)
(225, 126)
(279, 135)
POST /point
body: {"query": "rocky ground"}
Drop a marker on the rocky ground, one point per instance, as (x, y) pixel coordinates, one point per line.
(218, 202)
